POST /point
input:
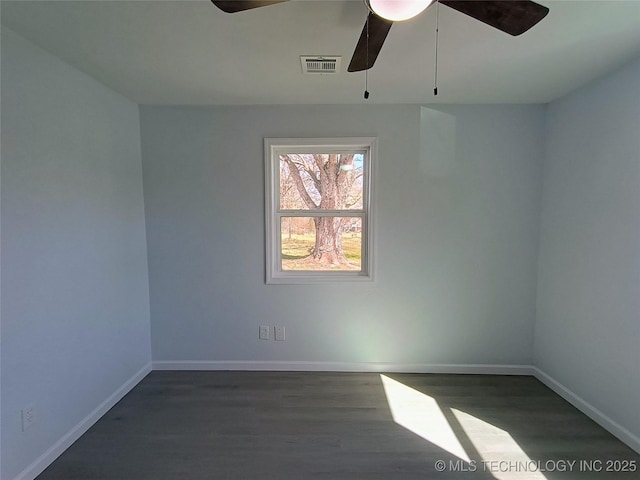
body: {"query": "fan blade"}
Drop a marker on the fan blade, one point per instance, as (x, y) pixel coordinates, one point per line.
(233, 6)
(511, 16)
(378, 30)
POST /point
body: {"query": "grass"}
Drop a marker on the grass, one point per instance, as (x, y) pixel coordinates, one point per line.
(299, 247)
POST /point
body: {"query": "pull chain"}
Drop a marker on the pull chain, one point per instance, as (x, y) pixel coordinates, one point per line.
(435, 78)
(366, 72)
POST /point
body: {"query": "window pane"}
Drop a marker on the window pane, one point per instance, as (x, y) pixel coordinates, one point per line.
(321, 181)
(321, 243)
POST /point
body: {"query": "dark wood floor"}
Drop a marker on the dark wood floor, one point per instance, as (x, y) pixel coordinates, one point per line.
(270, 425)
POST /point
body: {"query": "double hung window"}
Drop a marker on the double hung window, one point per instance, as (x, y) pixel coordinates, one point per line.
(318, 214)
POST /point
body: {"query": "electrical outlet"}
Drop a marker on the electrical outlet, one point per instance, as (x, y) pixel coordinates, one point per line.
(264, 332)
(28, 417)
(280, 332)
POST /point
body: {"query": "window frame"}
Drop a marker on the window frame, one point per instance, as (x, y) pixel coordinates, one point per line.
(273, 148)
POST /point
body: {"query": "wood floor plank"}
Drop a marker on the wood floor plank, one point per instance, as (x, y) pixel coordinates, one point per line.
(323, 425)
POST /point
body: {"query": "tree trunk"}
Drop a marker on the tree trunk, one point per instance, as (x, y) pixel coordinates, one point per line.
(328, 247)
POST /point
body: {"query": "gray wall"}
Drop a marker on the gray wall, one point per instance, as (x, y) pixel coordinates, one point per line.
(588, 325)
(457, 210)
(75, 311)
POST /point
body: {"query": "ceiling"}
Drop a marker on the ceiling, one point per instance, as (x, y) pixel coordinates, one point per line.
(188, 52)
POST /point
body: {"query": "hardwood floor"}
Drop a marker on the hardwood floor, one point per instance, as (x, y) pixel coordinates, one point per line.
(316, 425)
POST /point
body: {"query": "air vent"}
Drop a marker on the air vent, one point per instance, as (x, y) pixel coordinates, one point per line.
(321, 65)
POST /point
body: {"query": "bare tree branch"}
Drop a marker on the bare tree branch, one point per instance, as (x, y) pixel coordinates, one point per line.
(297, 179)
(307, 166)
(320, 162)
(314, 178)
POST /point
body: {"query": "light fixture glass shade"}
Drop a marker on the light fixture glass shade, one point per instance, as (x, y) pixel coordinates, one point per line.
(397, 10)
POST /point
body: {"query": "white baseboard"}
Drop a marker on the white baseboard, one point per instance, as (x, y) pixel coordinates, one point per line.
(589, 410)
(44, 460)
(283, 366)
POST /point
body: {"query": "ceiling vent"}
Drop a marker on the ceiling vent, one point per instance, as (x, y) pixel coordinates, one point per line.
(321, 65)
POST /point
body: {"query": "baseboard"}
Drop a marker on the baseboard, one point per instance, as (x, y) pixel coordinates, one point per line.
(589, 410)
(281, 366)
(42, 462)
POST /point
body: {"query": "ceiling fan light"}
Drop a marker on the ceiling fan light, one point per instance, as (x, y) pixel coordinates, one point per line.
(397, 10)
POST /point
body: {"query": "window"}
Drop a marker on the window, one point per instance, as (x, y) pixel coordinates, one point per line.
(318, 213)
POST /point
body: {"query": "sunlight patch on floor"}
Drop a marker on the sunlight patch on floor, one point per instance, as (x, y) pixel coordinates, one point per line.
(420, 414)
(497, 448)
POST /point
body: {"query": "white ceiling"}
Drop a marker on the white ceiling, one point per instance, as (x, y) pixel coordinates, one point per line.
(190, 53)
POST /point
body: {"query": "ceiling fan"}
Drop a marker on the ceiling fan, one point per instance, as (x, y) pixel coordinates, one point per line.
(510, 16)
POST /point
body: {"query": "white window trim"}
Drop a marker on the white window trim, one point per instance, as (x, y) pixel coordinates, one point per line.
(273, 147)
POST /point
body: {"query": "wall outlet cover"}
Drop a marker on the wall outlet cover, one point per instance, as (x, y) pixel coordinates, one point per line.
(264, 332)
(28, 415)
